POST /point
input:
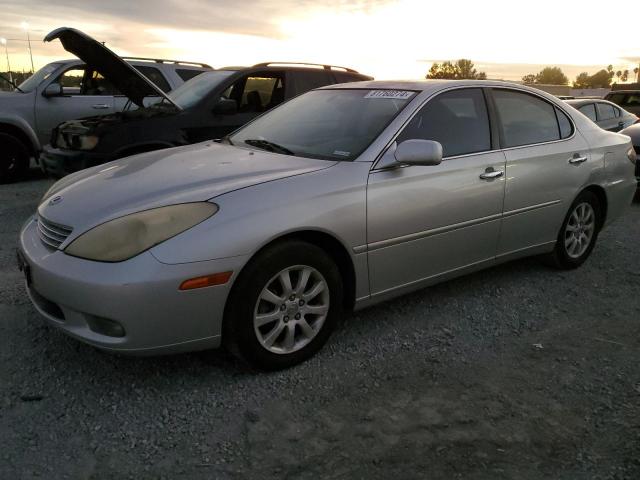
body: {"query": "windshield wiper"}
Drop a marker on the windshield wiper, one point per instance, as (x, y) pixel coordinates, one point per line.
(269, 146)
(11, 83)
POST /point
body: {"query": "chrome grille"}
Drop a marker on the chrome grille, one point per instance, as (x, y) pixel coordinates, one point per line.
(52, 234)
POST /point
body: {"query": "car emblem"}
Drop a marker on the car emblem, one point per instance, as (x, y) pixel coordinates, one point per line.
(55, 200)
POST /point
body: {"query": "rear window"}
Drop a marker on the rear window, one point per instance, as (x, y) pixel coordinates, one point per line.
(155, 76)
(187, 74)
(565, 125)
(617, 98)
(525, 119)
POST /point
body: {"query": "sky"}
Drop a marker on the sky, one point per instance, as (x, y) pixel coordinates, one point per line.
(388, 39)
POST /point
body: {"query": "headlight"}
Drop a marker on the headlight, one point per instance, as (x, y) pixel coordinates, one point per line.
(127, 236)
(87, 142)
(631, 155)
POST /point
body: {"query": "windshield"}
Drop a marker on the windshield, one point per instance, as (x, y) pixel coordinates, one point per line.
(327, 124)
(191, 92)
(34, 80)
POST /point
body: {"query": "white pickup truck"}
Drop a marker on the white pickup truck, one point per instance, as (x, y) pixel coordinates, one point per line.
(67, 90)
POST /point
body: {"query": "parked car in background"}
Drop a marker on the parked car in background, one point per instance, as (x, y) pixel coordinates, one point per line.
(70, 89)
(634, 132)
(627, 99)
(206, 107)
(342, 197)
(606, 115)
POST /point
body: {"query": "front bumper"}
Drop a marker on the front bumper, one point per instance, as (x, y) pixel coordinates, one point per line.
(59, 162)
(140, 294)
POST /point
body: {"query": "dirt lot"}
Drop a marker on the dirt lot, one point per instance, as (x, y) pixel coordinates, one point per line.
(516, 372)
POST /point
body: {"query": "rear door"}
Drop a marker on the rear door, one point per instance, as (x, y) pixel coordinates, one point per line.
(85, 93)
(547, 163)
(423, 221)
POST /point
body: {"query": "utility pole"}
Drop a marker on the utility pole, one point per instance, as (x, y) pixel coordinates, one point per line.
(25, 27)
(3, 41)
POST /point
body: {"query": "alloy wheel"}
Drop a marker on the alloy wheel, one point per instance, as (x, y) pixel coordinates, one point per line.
(579, 230)
(291, 309)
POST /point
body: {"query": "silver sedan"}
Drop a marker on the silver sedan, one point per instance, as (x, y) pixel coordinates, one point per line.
(338, 199)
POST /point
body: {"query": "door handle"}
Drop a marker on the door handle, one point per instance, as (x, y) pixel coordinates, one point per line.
(577, 159)
(100, 106)
(490, 174)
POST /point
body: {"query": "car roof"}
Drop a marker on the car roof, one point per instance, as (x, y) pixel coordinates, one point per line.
(431, 85)
(613, 92)
(578, 102)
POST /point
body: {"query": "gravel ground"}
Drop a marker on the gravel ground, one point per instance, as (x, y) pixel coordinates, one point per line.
(519, 371)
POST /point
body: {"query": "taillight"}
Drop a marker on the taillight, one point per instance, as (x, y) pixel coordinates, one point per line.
(631, 155)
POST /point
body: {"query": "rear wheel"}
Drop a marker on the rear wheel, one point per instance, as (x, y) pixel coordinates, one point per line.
(14, 158)
(283, 306)
(579, 232)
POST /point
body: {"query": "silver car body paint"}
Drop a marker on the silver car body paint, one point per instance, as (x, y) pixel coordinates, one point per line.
(403, 228)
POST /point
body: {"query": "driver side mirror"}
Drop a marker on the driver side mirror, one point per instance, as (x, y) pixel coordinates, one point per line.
(419, 152)
(53, 90)
(225, 106)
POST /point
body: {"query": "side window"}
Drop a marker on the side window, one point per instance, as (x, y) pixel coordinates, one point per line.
(632, 100)
(257, 93)
(96, 84)
(306, 80)
(187, 74)
(616, 98)
(71, 81)
(155, 76)
(345, 77)
(605, 111)
(457, 119)
(525, 119)
(566, 128)
(589, 110)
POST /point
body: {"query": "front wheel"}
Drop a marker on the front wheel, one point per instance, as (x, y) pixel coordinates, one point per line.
(578, 233)
(284, 306)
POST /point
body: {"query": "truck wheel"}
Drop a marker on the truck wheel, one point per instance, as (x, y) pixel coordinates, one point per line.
(14, 158)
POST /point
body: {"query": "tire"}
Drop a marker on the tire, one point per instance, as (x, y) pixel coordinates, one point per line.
(290, 330)
(579, 232)
(14, 158)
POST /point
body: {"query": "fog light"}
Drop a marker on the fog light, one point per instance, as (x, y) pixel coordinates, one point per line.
(104, 326)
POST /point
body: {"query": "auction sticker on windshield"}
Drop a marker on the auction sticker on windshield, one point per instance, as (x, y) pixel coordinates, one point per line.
(395, 94)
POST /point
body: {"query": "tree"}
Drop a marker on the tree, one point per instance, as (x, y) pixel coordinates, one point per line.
(636, 70)
(529, 79)
(462, 69)
(625, 75)
(582, 81)
(601, 79)
(619, 74)
(552, 76)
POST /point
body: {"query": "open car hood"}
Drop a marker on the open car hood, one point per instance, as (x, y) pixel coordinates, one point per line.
(123, 76)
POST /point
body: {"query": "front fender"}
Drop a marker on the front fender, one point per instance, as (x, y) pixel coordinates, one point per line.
(22, 125)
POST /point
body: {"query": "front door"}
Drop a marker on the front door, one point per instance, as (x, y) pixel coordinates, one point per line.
(423, 221)
(254, 94)
(85, 93)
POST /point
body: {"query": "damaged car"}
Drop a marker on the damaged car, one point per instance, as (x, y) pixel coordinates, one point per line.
(207, 107)
(68, 89)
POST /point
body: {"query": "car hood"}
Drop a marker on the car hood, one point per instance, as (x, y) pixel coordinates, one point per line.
(123, 76)
(165, 177)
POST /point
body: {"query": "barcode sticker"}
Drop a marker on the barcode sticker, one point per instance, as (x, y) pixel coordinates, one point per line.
(394, 94)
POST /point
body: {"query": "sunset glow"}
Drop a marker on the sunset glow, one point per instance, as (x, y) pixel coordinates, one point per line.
(386, 39)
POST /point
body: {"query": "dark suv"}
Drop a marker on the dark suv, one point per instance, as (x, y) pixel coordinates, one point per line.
(627, 99)
(206, 107)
